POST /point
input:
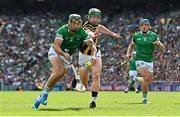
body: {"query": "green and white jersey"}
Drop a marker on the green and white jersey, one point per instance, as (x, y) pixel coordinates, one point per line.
(144, 45)
(71, 41)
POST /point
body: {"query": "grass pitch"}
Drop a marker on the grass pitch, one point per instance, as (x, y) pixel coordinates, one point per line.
(77, 104)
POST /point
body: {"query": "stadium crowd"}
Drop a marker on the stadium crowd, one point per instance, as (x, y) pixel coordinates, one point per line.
(25, 41)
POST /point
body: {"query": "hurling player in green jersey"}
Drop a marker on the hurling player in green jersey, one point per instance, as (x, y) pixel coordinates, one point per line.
(69, 38)
(145, 41)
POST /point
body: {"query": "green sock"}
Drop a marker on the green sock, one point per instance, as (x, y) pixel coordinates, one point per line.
(145, 95)
(46, 90)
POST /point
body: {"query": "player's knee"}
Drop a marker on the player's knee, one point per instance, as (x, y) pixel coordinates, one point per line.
(96, 75)
(145, 81)
(142, 74)
(150, 79)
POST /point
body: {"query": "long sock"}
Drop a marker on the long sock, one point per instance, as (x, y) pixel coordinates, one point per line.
(144, 95)
(94, 96)
(46, 90)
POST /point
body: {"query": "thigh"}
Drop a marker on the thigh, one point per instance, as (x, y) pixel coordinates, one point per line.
(84, 75)
(97, 67)
(142, 71)
(52, 53)
(57, 64)
(146, 74)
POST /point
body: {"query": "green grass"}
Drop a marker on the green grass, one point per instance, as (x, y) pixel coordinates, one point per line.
(77, 104)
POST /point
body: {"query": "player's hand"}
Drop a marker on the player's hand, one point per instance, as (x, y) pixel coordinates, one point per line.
(157, 43)
(128, 56)
(67, 56)
(93, 60)
(93, 35)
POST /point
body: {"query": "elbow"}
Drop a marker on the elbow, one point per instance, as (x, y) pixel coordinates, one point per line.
(95, 49)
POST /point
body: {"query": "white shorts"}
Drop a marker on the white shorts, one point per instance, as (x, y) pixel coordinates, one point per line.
(148, 65)
(52, 53)
(132, 73)
(84, 59)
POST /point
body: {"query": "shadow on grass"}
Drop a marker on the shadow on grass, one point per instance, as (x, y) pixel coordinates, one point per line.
(62, 109)
(135, 103)
(130, 103)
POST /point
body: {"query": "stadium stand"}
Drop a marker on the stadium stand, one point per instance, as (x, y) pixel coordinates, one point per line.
(25, 40)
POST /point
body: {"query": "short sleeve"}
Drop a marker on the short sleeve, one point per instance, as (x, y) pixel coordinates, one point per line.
(157, 37)
(85, 35)
(134, 38)
(59, 33)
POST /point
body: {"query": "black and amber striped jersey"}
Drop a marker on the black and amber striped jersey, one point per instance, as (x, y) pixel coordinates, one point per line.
(94, 28)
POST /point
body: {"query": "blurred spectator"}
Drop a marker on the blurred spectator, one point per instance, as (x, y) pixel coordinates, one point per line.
(25, 41)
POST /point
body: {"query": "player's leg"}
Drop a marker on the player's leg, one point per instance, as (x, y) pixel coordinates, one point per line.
(58, 72)
(146, 72)
(84, 68)
(146, 82)
(84, 76)
(133, 76)
(137, 83)
(128, 86)
(96, 72)
(149, 76)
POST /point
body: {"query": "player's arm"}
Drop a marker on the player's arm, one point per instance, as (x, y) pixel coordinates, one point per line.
(93, 36)
(104, 30)
(88, 31)
(57, 44)
(130, 49)
(159, 44)
(93, 48)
